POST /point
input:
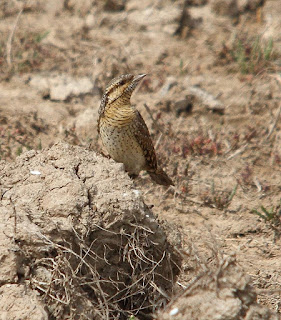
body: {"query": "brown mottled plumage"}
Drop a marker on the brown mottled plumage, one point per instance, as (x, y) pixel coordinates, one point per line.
(124, 132)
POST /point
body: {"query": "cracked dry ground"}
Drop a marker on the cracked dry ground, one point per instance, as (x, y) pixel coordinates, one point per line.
(213, 109)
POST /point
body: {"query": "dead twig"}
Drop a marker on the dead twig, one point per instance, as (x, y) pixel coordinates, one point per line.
(239, 151)
(11, 35)
(152, 118)
(158, 140)
(274, 124)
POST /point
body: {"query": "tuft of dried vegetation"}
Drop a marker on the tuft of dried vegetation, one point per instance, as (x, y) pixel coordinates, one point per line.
(110, 275)
(17, 137)
(200, 145)
(277, 158)
(28, 53)
(246, 176)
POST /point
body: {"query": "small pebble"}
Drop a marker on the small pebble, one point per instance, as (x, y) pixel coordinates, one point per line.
(35, 172)
(174, 311)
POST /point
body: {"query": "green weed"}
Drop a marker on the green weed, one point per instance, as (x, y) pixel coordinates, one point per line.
(40, 36)
(252, 56)
(272, 217)
(218, 199)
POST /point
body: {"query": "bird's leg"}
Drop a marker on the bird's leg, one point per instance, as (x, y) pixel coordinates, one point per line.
(105, 155)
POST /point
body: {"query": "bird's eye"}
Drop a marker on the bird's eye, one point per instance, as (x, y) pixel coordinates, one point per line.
(122, 82)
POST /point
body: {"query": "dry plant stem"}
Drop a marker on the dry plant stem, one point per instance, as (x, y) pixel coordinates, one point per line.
(237, 152)
(50, 242)
(275, 123)
(158, 140)
(152, 118)
(258, 184)
(11, 36)
(107, 305)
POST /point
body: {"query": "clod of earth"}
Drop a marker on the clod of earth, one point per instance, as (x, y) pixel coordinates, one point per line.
(75, 231)
(222, 293)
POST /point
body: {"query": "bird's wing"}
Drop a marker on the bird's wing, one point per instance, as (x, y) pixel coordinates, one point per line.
(101, 109)
(143, 137)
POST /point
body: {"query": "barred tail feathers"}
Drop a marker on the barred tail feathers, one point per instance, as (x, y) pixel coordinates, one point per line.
(160, 177)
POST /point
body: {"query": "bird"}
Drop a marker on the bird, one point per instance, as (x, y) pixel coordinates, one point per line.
(124, 133)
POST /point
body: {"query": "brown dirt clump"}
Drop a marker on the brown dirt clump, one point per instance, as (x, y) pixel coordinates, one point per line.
(222, 293)
(76, 231)
(19, 302)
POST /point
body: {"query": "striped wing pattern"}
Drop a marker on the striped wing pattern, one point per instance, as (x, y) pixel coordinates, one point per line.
(143, 137)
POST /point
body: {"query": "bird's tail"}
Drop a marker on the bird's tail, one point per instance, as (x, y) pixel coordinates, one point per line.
(160, 176)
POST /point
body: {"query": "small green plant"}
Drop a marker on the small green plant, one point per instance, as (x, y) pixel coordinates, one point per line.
(40, 36)
(182, 67)
(272, 217)
(39, 146)
(252, 56)
(218, 199)
(19, 151)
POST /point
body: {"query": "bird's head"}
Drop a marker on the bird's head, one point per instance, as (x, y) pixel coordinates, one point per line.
(119, 90)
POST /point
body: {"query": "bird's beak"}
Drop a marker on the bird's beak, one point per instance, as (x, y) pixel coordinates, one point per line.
(135, 82)
(138, 78)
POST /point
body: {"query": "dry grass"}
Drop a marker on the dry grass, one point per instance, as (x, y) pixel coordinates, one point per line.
(18, 137)
(27, 53)
(111, 276)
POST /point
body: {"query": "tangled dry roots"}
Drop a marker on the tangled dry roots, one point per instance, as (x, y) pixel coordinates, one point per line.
(121, 273)
(86, 241)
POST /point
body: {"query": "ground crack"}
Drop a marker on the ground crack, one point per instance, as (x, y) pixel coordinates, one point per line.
(61, 186)
(76, 169)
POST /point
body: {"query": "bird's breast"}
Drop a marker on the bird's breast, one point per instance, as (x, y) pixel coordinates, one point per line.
(117, 135)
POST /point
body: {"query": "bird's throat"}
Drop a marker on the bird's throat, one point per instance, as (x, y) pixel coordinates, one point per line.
(119, 115)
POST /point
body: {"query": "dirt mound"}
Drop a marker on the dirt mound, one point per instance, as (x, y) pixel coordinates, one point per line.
(223, 293)
(211, 101)
(76, 231)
